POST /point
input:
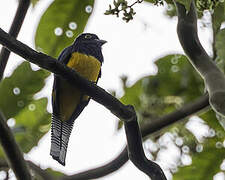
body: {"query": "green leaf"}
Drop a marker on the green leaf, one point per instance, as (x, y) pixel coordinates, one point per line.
(17, 91)
(220, 44)
(34, 2)
(36, 121)
(175, 78)
(218, 17)
(186, 3)
(206, 163)
(62, 17)
(132, 94)
(175, 84)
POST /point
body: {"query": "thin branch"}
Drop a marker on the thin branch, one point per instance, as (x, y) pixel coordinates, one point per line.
(101, 171)
(12, 151)
(147, 129)
(184, 112)
(14, 31)
(37, 170)
(42, 173)
(213, 77)
(136, 153)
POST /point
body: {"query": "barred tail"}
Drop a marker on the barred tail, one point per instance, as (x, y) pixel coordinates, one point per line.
(59, 139)
(55, 137)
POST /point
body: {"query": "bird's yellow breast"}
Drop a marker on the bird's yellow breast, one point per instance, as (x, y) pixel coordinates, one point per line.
(70, 96)
(86, 66)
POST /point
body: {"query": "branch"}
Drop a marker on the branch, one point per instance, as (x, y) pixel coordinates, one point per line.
(101, 171)
(12, 151)
(3, 164)
(213, 77)
(146, 129)
(184, 112)
(51, 64)
(91, 89)
(42, 173)
(136, 153)
(14, 31)
(37, 170)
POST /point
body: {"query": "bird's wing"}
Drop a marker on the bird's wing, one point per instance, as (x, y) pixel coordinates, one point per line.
(59, 130)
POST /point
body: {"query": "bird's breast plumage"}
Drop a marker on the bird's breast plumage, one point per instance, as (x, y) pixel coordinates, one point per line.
(70, 96)
(87, 66)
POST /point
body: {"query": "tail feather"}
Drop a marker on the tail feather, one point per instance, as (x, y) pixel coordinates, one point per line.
(55, 137)
(66, 131)
(59, 139)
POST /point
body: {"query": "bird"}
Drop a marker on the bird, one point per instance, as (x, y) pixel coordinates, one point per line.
(68, 101)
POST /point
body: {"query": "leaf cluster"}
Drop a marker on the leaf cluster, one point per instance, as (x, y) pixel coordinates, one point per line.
(122, 5)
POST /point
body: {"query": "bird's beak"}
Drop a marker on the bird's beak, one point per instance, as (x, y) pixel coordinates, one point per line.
(101, 42)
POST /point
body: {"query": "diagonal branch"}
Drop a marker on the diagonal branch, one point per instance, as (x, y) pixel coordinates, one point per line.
(14, 155)
(213, 77)
(51, 64)
(14, 31)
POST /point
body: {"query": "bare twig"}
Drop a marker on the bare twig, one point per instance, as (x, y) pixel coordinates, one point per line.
(12, 151)
(14, 31)
(213, 77)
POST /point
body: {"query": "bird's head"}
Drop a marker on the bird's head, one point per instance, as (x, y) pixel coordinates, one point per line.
(88, 38)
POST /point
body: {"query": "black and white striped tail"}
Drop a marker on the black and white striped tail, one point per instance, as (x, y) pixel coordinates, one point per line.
(60, 134)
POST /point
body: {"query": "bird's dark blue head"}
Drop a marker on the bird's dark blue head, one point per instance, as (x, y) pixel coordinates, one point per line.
(89, 44)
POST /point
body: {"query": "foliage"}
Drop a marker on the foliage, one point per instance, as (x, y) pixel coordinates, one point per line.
(58, 28)
(168, 90)
(27, 116)
(17, 104)
(175, 84)
(122, 5)
(213, 151)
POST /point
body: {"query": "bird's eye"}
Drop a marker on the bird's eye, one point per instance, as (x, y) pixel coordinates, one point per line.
(88, 36)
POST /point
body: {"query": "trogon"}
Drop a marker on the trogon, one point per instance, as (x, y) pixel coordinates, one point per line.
(68, 101)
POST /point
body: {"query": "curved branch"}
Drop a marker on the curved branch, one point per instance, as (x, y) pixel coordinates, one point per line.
(12, 151)
(42, 173)
(136, 152)
(101, 171)
(146, 129)
(98, 95)
(14, 31)
(37, 170)
(213, 77)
